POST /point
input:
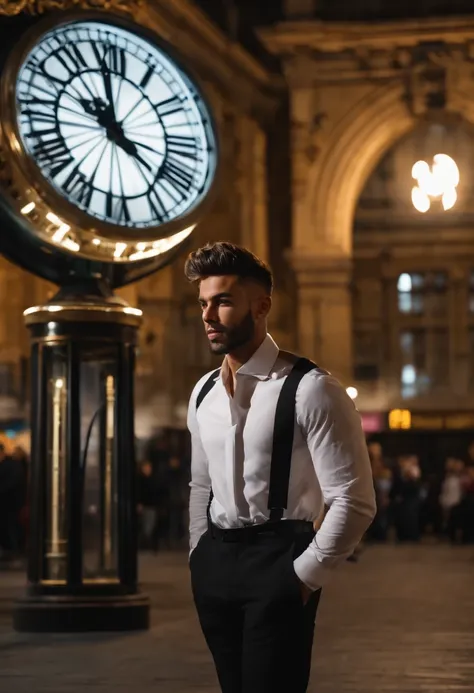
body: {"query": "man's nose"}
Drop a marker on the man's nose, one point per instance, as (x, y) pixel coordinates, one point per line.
(209, 314)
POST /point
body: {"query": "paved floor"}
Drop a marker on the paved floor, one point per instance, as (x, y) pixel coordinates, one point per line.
(402, 620)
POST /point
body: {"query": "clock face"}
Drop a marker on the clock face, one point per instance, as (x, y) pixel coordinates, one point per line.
(114, 125)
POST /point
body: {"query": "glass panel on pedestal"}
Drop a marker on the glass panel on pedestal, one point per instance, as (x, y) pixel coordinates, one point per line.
(55, 563)
(99, 461)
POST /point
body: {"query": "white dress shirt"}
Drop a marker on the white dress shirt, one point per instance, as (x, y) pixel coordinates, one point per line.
(231, 452)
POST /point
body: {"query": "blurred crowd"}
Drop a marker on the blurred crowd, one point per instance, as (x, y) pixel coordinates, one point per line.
(412, 503)
(162, 493)
(14, 469)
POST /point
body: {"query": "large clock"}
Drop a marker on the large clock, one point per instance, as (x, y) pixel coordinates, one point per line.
(111, 142)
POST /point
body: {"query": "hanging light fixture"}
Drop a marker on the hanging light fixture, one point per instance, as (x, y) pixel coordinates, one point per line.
(438, 182)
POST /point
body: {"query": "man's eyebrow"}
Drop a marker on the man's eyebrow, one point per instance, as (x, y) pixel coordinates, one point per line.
(223, 294)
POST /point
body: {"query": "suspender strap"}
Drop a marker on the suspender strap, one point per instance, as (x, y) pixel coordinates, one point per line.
(283, 433)
(207, 387)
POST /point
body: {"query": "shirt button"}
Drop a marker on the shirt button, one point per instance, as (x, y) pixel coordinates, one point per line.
(274, 376)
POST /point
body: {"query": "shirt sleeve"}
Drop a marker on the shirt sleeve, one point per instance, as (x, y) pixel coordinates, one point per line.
(200, 480)
(332, 428)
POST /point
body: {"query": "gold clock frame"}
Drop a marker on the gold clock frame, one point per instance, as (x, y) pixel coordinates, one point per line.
(52, 217)
(11, 8)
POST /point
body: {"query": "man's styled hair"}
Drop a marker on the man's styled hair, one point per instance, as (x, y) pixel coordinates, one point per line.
(223, 258)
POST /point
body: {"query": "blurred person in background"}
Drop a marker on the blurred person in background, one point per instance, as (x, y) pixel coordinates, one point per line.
(431, 514)
(450, 498)
(178, 480)
(12, 500)
(21, 456)
(150, 507)
(382, 477)
(467, 506)
(406, 498)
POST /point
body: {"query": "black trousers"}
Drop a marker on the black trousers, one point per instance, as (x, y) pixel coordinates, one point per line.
(251, 610)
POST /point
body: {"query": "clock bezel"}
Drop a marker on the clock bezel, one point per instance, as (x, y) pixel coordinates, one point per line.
(87, 226)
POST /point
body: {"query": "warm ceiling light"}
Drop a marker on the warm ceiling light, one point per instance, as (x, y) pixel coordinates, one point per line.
(438, 182)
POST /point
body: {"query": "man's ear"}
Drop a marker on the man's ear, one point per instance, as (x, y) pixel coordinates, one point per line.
(263, 307)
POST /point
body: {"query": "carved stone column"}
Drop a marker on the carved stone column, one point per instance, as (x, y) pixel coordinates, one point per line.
(306, 140)
(324, 312)
(252, 187)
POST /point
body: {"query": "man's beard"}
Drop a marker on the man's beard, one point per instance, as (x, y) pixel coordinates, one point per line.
(234, 337)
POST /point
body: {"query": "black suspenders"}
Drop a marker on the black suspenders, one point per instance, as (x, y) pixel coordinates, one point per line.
(283, 433)
(207, 387)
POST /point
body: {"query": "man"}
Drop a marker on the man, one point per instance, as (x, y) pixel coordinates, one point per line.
(257, 567)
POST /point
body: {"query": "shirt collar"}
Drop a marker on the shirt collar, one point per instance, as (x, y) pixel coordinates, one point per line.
(260, 363)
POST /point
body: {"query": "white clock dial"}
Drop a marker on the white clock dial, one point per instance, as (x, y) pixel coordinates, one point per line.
(114, 124)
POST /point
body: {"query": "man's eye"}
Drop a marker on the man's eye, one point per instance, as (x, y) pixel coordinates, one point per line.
(225, 303)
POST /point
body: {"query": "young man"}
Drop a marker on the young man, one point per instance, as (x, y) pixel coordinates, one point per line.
(266, 458)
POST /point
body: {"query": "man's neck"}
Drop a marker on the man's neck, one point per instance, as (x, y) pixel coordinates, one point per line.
(237, 358)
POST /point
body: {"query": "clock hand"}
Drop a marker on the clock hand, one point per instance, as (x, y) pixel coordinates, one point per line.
(100, 110)
(130, 148)
(108, 91)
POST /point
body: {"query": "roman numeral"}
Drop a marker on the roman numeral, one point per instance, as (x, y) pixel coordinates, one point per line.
(116, 60)
(100, 58)
(178, 176)
(123, 211)
(147, 76)
(156, 205)
(36, 110)
(108, 204)
(169, 106)
(78, 187)
(184, 146)
(29, 95)
(39, 116)
(53, 79)
(52, 152)
(71, 58)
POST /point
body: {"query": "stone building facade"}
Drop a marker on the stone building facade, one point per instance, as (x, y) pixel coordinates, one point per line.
(366, 102)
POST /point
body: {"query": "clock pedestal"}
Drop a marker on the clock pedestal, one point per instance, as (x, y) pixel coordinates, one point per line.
(82, 562)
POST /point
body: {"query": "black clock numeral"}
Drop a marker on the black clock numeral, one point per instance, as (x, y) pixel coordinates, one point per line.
(169, 106)
(184, 146)
(123, 213)
(78, 187)
(116, 60)
(178, 175)
(48, 95)
(53, 152)
(147, 76)
(100, 58)
(38, 116)
(109, 203)
(71, 58)
(156, 205)
(49, 77)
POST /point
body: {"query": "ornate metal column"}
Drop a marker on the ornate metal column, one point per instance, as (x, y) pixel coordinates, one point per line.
(82, 564)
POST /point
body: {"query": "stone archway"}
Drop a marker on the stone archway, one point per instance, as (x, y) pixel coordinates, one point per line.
(351, 153)
(354, 91)
(322, 238)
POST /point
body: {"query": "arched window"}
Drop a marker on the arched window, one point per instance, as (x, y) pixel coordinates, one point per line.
(411, 293)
